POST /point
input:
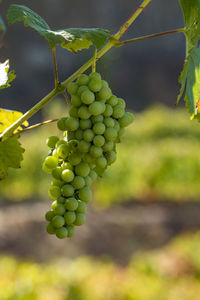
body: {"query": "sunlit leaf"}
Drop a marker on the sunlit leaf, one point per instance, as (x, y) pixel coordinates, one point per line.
(5, 76)
(8, 117)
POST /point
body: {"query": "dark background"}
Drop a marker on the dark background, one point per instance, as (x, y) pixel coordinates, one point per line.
(142, 73)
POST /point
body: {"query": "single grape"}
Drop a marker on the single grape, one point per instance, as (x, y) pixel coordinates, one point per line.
(88, 158)
(54, 192)
(74, 159)
(108, 146)
(111, 157)
(45, 169)
(81, 89)
(99, 128)
(49, 215)
(85, 124)
(57, 221)
(95, 75)
(85, 194)
(98, 118)
(79, 133)
(50, 229)
(88, 135)
(67, 175)
(78, 182)
(99, 140)
(101, 162)
(72, 88)
(82, 207)
(108, 111)
(80, 219)
(126, 120)
(51, 141)
(84, 112)
(61, 200)
(66, 165)
(71, 231)
(95, 85)
(121, 132)
(76, 100)
(60, 142)
(69, 217)
(56, 173)
(87, 97)
(104, 83)
(73, 112)
(72, 124)
(58, 208)
(83, 79)
(110, 134)
(51, 162)
(82, 169)
(67, 190)
(88, 180)
(113, 100)
(104, 94)
(62, 232)
(93, 175)
(96, 151)
(122, 102)
(70, 135)
(96, 108)
(71, 204)
(118, 111)
(116, 126)
(61, 124)
(109, 122)
(84, 146)
(63, 150)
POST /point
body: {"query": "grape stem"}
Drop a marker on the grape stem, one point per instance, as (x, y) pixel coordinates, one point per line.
(61, 86)
(67, 99)
(94, 61)
(55, 67)
(36, 125)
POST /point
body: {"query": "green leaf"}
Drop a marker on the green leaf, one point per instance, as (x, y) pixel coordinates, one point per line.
(11, 155)
(8, 117)
(73, 39)
(2, 25)
(5, 76)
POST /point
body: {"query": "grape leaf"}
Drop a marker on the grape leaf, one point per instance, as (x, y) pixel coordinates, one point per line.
(190, 74)
(5, 76)
(2, 25)
(73, 39)
(11, 155)
(8, 117)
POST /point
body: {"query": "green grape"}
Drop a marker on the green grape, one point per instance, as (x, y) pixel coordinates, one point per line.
(82, 207)
(67, 190)
(96, 108)
(111, 157)
(88, 158)
(85, 124)
(56, 173)
(69, 217)
(61, 200)
(80, 219)
(54, 192)
(74, 159)
(95, 151)
(88, 135)
(113, 100)
(50, 229)
(118, 111)
(100, 171)
(99, 128)
(126, 120)
(83, 79)
(51, 162)
(110, 134)
(76, 100)
(87, 97)
(79, 133)
(45, 169)
(78, 182)
(104, 94)
(93, 175)
(60, 142)
(51, 141)
(122, 102)
(57, 221)
(101, 162)
(85, 194)
(49, 215)
(62, 232)
(108, 146)
(121, 132)
(72, 88)
(82, 169)
(72, 124)
(84, 112)
(104, 83)
(71, 231)
(58, 208)
(71, 204)
(109, 122)
(99, 140)
(73, 112)
(95, 85)
(88, 180)
(66, 165)
(61, 124)
(67, 175)
(63, 150)
(98, 118)
(116, 126)
(84, 146)
(81, 89)
(108, 111)
(73, 145)
(70, 135)
(95, 75)
(57, 182)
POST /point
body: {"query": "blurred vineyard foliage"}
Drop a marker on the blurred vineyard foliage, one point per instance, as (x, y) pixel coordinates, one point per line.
(170, 273)
(158, 159)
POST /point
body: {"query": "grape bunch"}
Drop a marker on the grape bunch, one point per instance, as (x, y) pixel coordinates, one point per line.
(96, 123)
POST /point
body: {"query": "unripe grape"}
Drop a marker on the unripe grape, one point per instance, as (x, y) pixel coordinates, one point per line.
(79, 133)
(67, 190)
(49, 215)
(71, 231)
(126, 120)
(61, 200)
(99, 128)
(85, 194)
(93, 175)
(104, 94)
(70, 135)
(82, 169)
(118, 111)
(108, 146)
(116, 126)
(87, 97)
(63, 150)
(110, 134)
(58, 208)
(101, 162)
(67, 175)
(51, 162)
(72, 88)
(51, 141)
(111, 157)
(99, 140)
(50, 229)
(81, 89)
(122, 102)
(61, 124)
(109, 122)
(121, 132)
(85, 124)
(88, 180)
(73, 112)
(96, 108)
(69, 217)
(84, 146)
(88, 158)
(76, 100)
(84, 112)
(83, 79)
(113, 100)
(82, 207)
(73, 145)
(56, 173)
(95, 75)
(78, 182)
(60, 142)
(108, 111)
(45, 169)
(54, 192)
(98, 118)
(80, 219)
(96, 151)
(88, 135)
(94, 85)
(66, 165)
(57, 221)
(74, 159)
(72, 124)
(62, 232)
(104, 83)
(57, 182)
(71, 204)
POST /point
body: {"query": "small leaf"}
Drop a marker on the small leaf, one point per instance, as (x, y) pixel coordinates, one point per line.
(8, 117)
(2, 25)
(11, 155)
(5, 76)
(72, 39)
